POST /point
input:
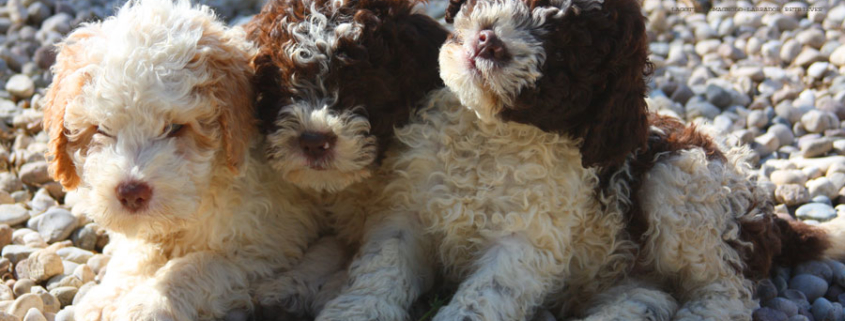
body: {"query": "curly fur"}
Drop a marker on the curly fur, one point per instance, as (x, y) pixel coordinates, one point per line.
(219, 219)
(351, 68)
(539, 180)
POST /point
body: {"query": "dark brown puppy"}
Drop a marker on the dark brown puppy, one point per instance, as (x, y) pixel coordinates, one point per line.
(334, 78)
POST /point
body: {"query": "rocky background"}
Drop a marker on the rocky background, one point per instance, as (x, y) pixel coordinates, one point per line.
(770, 74)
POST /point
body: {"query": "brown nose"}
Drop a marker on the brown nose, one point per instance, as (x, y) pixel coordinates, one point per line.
(489, 46)
(134, 195)
(316, 145)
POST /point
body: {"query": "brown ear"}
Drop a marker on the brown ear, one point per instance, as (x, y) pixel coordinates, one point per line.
(226, 55)
(68, 81)
(453, 9)
(594, 82)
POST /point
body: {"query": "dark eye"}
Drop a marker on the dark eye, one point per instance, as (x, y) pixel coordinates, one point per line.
(102, 131)
(172, 130)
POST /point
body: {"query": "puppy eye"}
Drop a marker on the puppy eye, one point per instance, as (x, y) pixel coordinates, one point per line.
(101, 131)
(172, 130)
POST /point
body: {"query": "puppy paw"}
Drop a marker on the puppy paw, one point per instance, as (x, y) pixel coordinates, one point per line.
(285, 292)
(456, 313)
(362, 308)
(146, 304)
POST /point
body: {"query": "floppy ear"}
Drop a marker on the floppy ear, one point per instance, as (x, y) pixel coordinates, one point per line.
(594, 81)
(68, 80)
(453, 9)
(226, 55)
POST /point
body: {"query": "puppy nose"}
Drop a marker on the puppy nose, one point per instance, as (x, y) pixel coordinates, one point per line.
(316, 145)
(489, 46)
(134, 195)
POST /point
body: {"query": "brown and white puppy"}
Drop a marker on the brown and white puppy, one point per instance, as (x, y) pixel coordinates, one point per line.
(334, 79)
(150, 121)
(517, 183)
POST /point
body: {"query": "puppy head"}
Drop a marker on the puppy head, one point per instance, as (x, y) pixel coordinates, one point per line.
(335, 78)
(145, 110)
(574, 67)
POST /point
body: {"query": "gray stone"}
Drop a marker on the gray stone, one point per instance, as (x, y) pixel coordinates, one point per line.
(35, 173)
(812, 286)
(811, 37)
(23, 286)
(790, 50)
(20, 86)
(40, 266)
(818, 69)
(701, 109)
(817, 147)
(13, 214)
(822, 186)
(51, 303)
(86, 237)
(792, 194)
(838, 56)
(60, 22)
(718, 96)
(24, 303)
(37, 12)
(783, 133)
(817, 268)
(75, 255)
(789, 176)
(56, 224)
(9, 182)
(816, 121)
(807, 57)
(783, 305)
(816, 211)
(821, 308)
(64, 294)
(768, 314)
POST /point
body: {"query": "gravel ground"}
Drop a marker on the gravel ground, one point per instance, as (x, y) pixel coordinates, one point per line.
(768, 77)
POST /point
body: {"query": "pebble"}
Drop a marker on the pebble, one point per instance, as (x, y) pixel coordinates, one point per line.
(816, 121)
(13, 214)
(64, 294)
(822, 186)
(24, 303)
(40, 266)
(815, 211)
(812, 286)
(20, 86)
(768, 314)
(792, 176)
(718, 96)
(817, 147)
(56, 224)
(792, 194)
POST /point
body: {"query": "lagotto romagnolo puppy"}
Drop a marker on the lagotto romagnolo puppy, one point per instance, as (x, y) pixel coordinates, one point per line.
(150, 119)
(334, 79)
(538, 178)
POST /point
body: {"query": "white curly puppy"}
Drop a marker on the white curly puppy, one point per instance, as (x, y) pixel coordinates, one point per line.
(150, 119)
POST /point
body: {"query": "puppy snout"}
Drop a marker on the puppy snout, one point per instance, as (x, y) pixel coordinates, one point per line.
(316, 145)
(134, 195)
(489, 46)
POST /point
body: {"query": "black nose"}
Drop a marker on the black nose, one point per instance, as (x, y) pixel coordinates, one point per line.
(316, 145)
(489, 46)
(134, 195)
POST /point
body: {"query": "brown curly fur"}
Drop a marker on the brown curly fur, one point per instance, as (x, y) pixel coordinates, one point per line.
(774, 240)
(387, 70)
(594, 82)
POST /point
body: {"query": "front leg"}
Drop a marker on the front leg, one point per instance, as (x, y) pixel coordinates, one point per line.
(511, 280)
(198, 286)
(390, 271)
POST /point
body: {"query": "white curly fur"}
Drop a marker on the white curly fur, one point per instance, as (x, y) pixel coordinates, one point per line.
(219, 219)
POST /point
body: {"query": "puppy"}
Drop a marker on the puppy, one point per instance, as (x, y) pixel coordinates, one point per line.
(334, 79)
(700, 228)
(150, 120)
(516, 182)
